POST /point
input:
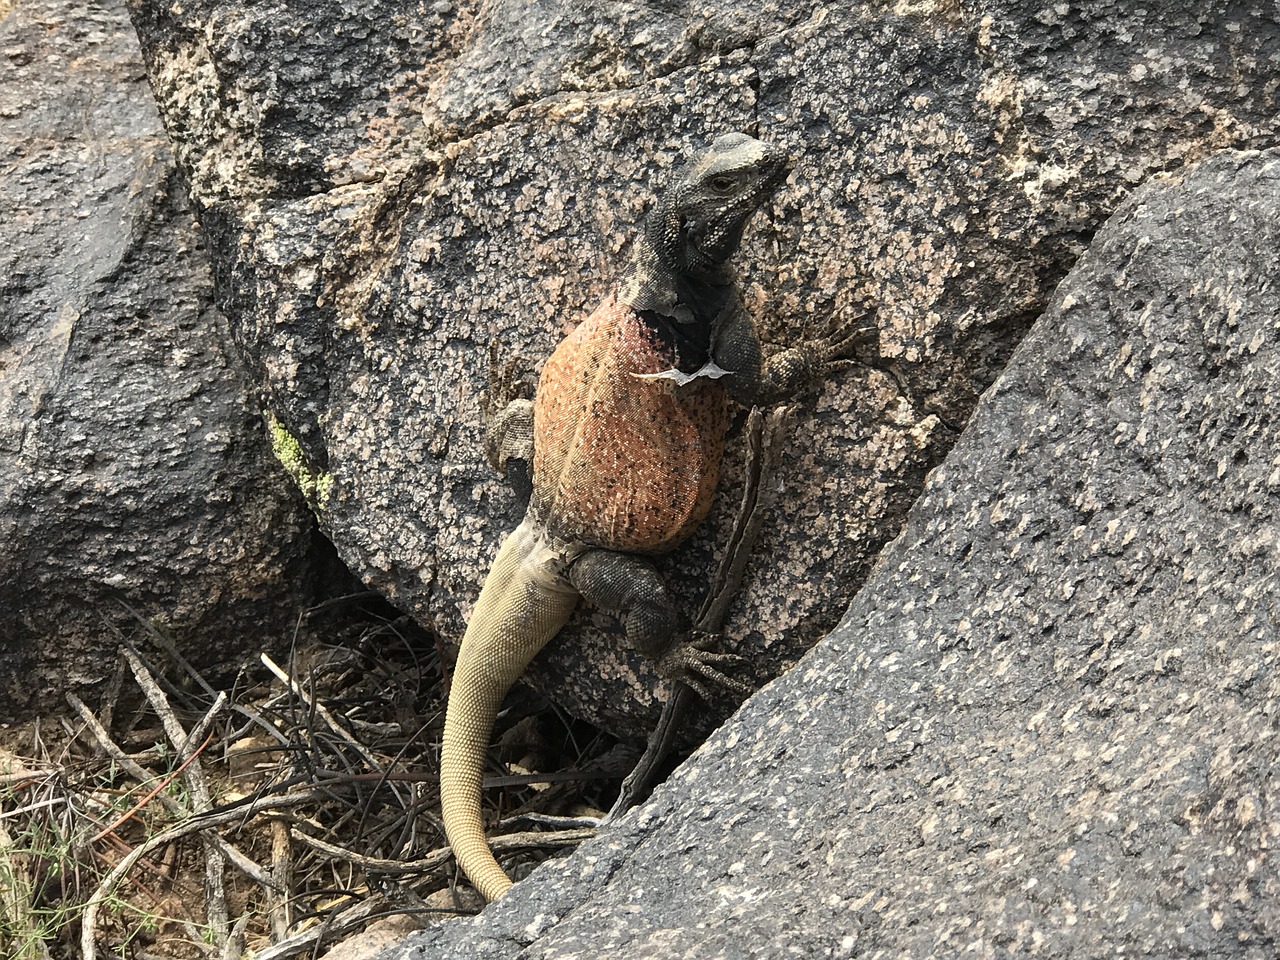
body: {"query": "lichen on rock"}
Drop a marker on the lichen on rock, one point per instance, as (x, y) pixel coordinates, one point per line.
(315, 485)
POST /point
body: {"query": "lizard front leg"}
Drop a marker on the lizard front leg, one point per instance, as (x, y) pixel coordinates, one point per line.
(755, 381)
(508, 417)
(630, 586)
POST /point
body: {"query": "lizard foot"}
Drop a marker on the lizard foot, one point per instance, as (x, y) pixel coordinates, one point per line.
(694, 664)
(839, 341)
(809, 362)
(508, 412)
(509, 380)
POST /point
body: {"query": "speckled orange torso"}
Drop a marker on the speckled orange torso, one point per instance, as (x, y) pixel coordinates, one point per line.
(621, 462)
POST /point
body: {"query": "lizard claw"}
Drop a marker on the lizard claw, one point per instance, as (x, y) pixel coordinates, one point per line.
(840, 340)
(508, 382)
(508, 412)
(692, 663)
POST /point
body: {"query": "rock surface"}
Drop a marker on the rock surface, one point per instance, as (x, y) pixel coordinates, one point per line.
(133, 462)
(1047, 725)
(953, 162)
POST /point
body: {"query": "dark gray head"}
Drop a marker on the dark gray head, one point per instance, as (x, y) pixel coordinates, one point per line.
(699, 221)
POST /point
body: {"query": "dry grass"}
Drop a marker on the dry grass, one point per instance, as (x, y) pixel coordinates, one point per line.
(274, 816)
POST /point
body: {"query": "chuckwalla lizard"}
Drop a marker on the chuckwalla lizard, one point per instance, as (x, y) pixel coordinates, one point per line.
(627, 430)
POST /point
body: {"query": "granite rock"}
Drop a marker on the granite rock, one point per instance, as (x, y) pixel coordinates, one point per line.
(386, 187)
(136, 479)
(1047, 724)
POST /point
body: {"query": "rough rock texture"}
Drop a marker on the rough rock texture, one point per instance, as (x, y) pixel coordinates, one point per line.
(953, 161)
(1047, 726)
(133, 464)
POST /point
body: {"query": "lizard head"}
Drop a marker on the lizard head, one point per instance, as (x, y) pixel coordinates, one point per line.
(699, 221)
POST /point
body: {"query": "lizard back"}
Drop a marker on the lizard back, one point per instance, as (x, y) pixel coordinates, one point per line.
(620, 461)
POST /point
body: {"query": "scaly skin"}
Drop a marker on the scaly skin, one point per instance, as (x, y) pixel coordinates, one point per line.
(627, 434)
(519, 610)
(621, 461)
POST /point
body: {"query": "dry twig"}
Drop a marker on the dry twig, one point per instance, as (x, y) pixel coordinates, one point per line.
(205, 821)
(193, 774)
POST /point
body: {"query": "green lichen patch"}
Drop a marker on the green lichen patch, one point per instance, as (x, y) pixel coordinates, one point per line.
(315, 485)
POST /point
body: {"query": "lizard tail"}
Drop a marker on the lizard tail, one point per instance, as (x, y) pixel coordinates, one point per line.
(519, 610)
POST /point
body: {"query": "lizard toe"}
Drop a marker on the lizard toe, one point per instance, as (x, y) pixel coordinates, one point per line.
(697, 667)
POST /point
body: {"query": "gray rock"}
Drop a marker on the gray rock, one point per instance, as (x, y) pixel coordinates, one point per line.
(133, 462)
(388, 186)
(1047, 724)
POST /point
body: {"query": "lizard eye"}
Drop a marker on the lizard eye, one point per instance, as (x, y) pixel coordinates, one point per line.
(723, 184)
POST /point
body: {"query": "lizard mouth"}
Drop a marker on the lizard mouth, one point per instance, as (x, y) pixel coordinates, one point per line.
(768, 175)
(775, 168)
(771, 171)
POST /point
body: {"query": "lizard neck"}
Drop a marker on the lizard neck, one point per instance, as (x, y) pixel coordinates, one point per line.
(681, 305)
(656, 280)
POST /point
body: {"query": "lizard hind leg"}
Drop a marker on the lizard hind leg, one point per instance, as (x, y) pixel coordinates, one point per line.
(630, 586)
(508, 414)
